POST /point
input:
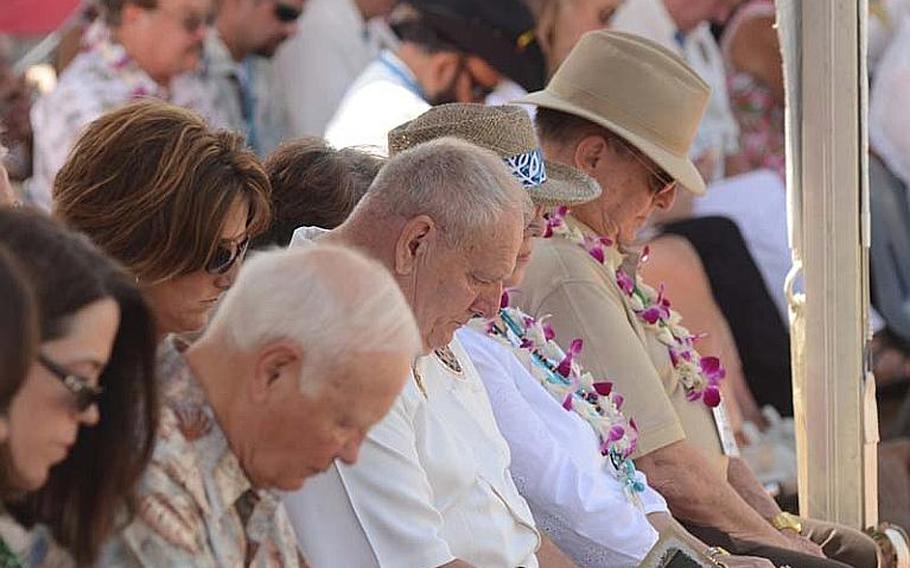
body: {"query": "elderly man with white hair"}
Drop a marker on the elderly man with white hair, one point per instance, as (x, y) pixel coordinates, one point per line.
(307, 351)
(432, 487)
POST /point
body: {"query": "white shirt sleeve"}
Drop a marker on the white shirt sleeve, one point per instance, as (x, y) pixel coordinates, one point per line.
(377, 513)
(582, 497)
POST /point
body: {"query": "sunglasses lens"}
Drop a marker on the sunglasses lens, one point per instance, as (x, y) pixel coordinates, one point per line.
(221, 262)
(285, 13)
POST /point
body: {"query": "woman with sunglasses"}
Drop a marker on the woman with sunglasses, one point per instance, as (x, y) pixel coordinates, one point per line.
(173, 201)
(80, 427)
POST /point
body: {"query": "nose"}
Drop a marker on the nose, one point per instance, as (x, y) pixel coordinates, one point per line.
(90, 416)
(487, 302)
(226, 280)
(350, 451)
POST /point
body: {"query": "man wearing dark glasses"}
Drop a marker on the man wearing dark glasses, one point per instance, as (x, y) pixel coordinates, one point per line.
(245, 35)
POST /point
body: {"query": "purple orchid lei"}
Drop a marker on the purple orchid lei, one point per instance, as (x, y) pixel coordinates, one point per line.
(700, 376)
(561, 375)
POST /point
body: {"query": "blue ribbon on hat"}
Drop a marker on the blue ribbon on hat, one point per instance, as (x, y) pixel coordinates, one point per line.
(528, 168)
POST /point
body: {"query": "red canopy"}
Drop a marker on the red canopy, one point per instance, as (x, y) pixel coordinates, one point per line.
(34, 17)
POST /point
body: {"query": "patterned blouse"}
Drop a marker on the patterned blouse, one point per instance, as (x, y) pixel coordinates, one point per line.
(196, 505)
(101, 78)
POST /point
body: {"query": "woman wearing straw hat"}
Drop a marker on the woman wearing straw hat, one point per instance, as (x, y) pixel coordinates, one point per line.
(630, 125)
(589, 498)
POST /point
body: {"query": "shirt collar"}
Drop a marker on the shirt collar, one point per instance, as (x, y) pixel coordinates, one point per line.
(225, 480)
(100, 41)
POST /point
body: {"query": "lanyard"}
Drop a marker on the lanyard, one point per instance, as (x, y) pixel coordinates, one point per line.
(406, 79)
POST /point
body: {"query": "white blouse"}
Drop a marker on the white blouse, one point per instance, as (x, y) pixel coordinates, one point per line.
(558, 468)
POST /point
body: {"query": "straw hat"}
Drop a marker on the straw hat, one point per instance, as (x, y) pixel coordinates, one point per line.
(637, 89)
(507, 131)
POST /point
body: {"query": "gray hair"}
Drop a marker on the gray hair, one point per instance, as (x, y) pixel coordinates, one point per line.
(462, 187)
(332, 300)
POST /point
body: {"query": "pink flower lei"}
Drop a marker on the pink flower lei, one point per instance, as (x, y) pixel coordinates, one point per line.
(700, 376)
(561, 375)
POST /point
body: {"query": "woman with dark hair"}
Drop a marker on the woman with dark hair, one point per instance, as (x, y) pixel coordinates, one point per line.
(314, 185)
(18, 331)
(81, 428)
(173, 201)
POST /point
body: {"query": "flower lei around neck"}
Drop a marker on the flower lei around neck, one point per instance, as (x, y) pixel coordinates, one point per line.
(561, 375)
(700, 376)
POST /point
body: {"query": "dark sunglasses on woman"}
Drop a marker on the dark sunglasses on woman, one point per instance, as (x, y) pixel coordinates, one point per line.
(285, 13)
(225, 257)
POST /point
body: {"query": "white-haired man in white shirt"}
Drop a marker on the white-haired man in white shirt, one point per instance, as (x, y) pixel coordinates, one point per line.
(432, 487)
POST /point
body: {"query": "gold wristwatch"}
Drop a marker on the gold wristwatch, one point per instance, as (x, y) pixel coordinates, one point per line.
(785, 521)
(714, 554)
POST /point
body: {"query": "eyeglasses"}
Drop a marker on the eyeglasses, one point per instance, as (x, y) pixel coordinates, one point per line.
(285, 13)
(226, 257)
(84, 393)
(659, 181)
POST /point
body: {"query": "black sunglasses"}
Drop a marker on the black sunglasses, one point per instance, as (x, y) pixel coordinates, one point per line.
(225, 257)
(286, 14)
(84, 393)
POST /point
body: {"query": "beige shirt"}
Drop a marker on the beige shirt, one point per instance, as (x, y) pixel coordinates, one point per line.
(584, 300)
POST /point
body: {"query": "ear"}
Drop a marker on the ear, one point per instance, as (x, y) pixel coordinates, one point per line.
(589, 153)
(278, 364)
(413, 242)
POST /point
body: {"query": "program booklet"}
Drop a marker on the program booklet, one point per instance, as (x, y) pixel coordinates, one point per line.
(672, 552)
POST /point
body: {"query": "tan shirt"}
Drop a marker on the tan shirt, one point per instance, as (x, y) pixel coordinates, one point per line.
(584, 301)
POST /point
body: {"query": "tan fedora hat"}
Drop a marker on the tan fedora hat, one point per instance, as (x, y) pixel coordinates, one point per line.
(637, 89)
(507, 131)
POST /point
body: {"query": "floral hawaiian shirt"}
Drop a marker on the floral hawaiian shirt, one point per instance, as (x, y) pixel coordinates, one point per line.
(196, 506)
(101, 78)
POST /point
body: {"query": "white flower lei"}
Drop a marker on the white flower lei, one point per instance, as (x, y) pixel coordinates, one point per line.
(562, 376)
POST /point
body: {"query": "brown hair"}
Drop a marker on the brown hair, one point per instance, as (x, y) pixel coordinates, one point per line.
(152, 185)
(18, 327)
(86, 492)
(314, 185)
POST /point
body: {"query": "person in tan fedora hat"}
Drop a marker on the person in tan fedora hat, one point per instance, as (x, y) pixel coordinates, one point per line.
(578, 493)
(625, 110)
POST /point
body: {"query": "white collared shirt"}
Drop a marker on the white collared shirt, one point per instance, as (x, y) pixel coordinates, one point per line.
(432, 484)
(558, 467)
(718, 133)
(384, 96)
(315, 67)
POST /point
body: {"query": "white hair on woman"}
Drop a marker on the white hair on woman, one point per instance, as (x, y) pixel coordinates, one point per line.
(462, 187)
(331, 300)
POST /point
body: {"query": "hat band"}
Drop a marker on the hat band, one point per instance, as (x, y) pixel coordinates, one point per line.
(528, 168)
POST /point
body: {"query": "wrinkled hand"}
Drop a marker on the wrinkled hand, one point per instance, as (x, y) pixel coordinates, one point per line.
(745, 562)
(799, 543)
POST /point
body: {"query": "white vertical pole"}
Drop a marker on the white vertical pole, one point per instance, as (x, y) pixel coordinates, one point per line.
(825, 72)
